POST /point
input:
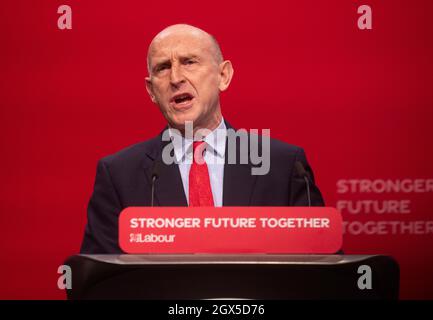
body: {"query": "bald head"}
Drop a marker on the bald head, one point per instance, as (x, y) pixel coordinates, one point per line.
(180, 31)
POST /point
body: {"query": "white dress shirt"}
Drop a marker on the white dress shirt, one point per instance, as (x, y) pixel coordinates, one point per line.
(214, 156)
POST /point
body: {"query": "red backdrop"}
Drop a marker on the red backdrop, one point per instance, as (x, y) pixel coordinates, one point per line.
(359, 102)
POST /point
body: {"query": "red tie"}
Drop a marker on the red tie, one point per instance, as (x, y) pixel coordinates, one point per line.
(200, 192)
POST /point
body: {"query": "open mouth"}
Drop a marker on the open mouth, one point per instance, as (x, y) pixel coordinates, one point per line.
(182, 99)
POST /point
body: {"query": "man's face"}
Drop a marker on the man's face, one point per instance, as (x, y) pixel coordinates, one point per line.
(185, 79)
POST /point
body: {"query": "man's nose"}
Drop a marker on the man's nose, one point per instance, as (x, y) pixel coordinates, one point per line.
(176, 75)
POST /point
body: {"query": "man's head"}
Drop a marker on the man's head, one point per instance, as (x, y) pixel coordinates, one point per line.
(186, 74)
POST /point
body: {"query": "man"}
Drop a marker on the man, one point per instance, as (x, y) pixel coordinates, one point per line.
(187, 72)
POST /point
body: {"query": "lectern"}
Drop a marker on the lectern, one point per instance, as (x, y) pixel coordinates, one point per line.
(234, 276)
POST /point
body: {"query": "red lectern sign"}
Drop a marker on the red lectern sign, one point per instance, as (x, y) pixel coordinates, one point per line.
(230, 230)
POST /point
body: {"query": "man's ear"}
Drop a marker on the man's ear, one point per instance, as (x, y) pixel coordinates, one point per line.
(149, 89)
(226, 73)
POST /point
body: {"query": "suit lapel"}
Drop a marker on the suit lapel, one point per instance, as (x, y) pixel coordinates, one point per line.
(168, 186)
(238, 185)
(238, 181)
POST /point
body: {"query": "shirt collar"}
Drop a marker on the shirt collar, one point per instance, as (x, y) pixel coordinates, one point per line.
(216, 141)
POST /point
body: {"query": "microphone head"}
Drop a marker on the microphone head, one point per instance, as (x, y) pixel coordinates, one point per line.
(155, 170)
(300, 170)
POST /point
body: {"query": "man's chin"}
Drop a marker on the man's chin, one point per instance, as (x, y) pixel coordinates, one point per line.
(180, 122)
(183, 124)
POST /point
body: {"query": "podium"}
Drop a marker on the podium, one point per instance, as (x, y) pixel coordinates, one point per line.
(234, 276)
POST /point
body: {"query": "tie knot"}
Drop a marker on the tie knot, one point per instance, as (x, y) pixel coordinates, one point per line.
(197, 144)
(198, 151)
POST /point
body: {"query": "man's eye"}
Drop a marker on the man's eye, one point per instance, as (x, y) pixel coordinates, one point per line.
(161, 68)
(190, 61)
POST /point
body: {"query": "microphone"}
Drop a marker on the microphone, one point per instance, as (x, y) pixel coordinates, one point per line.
(300, 170)
(154, 177)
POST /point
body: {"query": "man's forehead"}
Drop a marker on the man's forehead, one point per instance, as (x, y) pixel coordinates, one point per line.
(179, 45)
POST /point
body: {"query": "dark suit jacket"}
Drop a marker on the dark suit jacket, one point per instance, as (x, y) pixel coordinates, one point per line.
(124, 180)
